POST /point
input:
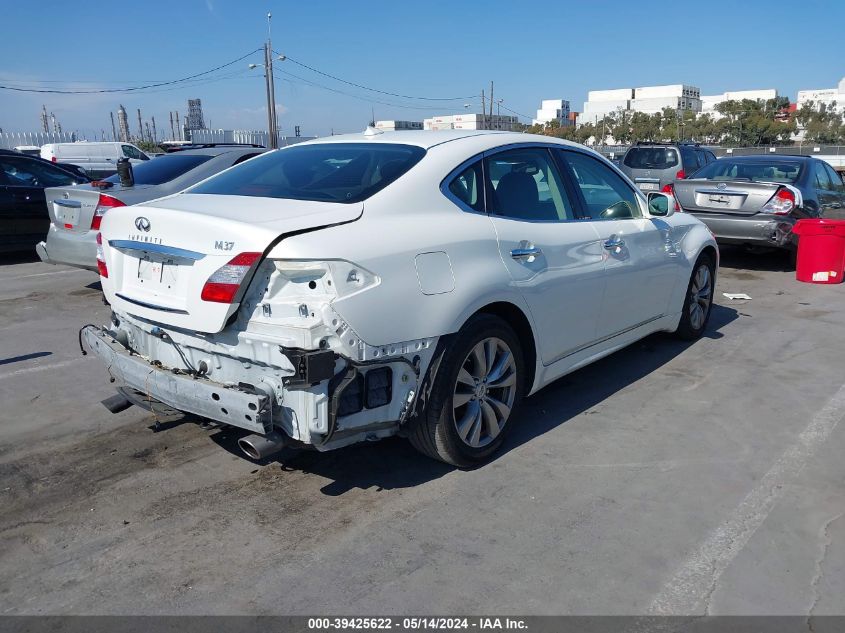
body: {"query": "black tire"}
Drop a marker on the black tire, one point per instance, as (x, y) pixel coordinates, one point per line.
(691, 327)
(436, 433)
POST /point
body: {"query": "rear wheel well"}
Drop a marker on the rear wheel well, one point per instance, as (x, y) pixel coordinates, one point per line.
(516, 318)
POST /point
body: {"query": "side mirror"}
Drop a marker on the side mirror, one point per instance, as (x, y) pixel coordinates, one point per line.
(661, 205)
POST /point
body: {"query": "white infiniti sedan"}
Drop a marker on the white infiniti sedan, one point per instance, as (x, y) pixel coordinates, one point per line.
(413, 283)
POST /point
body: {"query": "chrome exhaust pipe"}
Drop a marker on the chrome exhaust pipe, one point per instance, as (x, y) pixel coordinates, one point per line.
(260, 446)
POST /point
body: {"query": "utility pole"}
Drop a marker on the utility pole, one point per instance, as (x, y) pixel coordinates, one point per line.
(272, 123)
(140, 125)
(491, 105)
(113, 129)
(483, 111)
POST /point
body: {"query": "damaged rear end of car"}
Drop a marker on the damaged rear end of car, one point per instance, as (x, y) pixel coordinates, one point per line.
(211, 318)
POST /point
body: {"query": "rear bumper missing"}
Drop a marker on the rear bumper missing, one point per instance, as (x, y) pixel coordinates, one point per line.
(200, 396)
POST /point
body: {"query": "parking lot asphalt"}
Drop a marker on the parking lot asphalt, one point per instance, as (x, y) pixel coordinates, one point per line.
(667, 478)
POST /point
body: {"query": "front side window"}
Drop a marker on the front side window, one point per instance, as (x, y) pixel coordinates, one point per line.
(468, 187)
(327, 172)
(606, 196)
(524, 184)
(22, 172)
(133, 152)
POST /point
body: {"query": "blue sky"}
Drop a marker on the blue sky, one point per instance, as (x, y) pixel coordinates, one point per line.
(532, 51)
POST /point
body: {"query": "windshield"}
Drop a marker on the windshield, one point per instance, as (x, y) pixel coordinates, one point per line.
(651, 158)
(331, 172)
(163, 169)
(751, 171)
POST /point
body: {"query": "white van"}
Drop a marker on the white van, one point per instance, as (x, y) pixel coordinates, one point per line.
(98, 159)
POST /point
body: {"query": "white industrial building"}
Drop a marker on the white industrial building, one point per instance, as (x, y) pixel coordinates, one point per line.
(709, 102)
(826, 96)
(471, 122)
(646, 99)
(392, 126)
(553, 110)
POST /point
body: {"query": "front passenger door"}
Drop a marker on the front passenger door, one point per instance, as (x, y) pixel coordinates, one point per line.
(554, 260)
(641, 265)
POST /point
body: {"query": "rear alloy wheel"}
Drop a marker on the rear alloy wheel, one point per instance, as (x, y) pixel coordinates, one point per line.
(476, 389)
(698, 302)
(484, 392)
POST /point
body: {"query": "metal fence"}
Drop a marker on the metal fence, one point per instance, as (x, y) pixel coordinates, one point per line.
(10, 140)
(255, 137)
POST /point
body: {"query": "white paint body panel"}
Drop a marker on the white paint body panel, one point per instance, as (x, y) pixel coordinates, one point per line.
(427, 266)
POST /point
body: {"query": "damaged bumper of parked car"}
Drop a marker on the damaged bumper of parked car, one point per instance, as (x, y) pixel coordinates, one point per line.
(312, 397)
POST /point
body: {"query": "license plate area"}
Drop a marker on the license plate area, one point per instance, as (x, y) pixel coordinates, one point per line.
(721, 200)
(647, 186)
(157, 273)
(66, 216)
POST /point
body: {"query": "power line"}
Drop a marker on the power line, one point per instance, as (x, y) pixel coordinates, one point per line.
(349, 94)
(132, 88)
(384, 92)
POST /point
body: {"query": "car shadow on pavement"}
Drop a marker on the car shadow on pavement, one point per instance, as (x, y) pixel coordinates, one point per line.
(738, 258)
(24, 257)
(393, 463)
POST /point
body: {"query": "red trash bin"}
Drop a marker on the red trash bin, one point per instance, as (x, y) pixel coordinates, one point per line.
(821, 251)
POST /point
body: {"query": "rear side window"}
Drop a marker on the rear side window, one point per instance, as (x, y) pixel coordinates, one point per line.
(651, 158)
(822, 178)
(690, 159)
(329, 172)
(163, 169)
(23, 172)
(468, 187)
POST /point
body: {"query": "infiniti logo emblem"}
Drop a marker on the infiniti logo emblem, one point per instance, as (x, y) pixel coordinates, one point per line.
(722, 185)
(142, 224)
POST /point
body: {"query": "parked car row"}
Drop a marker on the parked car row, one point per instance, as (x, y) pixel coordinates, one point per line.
(747, 200)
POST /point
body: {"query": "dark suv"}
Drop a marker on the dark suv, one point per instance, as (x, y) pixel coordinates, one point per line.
(654, 166)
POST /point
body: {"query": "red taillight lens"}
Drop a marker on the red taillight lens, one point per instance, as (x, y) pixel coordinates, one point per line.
(680, 175)
(671, 191)
(101, 257)
(781, 203)
(53, 160)
(103, 204)
(224, 284)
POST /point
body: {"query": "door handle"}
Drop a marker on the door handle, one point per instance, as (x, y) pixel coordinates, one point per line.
(525, 253)
(614, 241)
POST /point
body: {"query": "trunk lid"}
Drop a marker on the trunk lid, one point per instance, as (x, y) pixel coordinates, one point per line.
(159, 255)
(72, 208)
(735, 197)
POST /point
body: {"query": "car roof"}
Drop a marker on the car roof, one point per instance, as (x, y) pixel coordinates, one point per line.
(430, 138)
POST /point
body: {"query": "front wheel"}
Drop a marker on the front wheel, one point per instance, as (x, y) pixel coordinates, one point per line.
(698, 301)
(478, 386)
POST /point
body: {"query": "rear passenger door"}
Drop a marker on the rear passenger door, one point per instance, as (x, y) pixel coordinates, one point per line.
(554, 260)
(640, 265)
(828, 199)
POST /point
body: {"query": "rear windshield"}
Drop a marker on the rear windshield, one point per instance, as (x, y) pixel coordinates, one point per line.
(331, 172)
(651, 158)
(752, 171)
(163, 169)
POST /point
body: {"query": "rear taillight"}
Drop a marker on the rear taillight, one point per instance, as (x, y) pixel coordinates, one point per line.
(104, 204)
(224, 284)
(680, 175)
(53, 159)
(101, 257)
(671, 191)
(781, 203)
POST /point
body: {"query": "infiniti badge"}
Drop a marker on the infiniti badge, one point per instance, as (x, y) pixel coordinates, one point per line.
(142, 224)
(721, 185)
